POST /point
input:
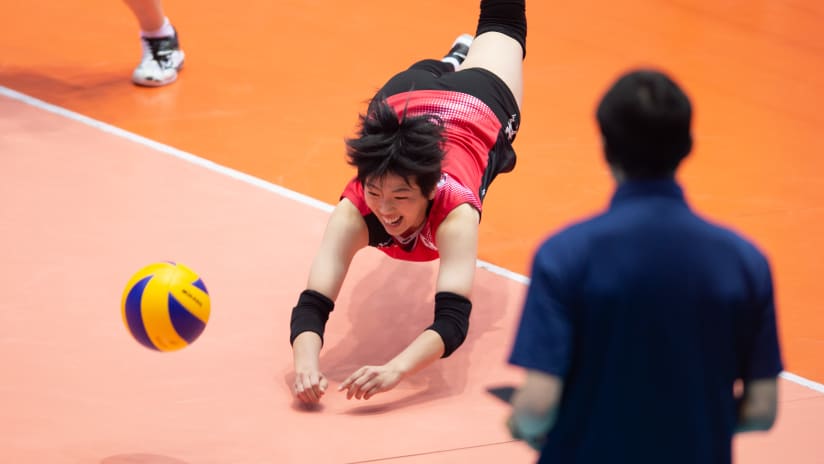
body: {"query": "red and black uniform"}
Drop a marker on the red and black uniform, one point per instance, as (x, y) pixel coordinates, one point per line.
(480, 119)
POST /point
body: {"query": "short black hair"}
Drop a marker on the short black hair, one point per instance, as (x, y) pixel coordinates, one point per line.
(388, 143)
(645, 119)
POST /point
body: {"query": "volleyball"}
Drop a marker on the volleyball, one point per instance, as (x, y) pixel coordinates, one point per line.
(165, 306)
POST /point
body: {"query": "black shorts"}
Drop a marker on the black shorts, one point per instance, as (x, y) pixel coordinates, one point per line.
(478, 82)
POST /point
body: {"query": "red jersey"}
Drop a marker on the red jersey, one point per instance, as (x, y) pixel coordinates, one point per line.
(471, 131)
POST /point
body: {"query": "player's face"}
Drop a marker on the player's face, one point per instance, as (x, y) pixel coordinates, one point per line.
(397, 203)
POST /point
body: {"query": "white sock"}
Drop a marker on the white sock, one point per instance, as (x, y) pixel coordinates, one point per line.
(166, 30)
(451, 60)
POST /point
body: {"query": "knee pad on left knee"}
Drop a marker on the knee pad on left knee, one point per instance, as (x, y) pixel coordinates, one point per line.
(505, 16)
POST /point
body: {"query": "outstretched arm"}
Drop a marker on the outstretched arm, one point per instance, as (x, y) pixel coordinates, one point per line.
(457, 240)
(534, 407)
(345, 234)
(458, 248)
(758, 402)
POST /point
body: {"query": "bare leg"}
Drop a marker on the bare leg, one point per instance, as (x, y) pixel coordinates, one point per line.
(500, 43)
(149, 13)
(503, 56)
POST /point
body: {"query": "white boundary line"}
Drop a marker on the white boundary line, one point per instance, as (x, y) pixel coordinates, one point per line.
(802, 381)
(265, 185)
(165, 149)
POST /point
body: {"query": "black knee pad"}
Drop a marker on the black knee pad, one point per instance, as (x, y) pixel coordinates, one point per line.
(505, 16)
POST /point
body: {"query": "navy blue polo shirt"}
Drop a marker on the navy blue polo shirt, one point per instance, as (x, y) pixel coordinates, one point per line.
(649, 314)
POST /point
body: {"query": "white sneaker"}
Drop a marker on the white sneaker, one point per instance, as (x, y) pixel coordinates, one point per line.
(162, 60)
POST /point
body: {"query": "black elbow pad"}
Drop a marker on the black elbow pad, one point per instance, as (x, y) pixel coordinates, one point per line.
(310, 314)
(451, 320)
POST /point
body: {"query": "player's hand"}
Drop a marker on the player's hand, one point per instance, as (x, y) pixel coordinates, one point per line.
(310, 385)
(370, 380)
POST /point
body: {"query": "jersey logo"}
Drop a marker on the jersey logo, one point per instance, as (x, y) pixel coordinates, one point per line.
(427, 241)
(511, 127)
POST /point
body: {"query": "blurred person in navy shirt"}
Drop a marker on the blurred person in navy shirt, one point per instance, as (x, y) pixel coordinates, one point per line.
(648, 334)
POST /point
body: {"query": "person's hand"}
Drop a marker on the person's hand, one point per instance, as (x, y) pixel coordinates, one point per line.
(370, 380)
(310, 385)
(535, 442)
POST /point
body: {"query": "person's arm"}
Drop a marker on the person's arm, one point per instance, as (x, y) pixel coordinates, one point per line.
(458, 248)
(544, 340)
(758, 405)
(534, 407)
(457, 239)
(345, 234)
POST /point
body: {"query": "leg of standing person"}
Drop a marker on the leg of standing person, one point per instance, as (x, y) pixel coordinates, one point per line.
(162, 56)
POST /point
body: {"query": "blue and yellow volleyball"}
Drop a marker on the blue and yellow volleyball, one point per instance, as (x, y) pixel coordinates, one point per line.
(166, 306)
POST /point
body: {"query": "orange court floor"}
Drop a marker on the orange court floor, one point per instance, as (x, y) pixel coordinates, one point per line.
(99, 177)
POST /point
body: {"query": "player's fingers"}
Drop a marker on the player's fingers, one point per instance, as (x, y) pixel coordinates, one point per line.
(303, 398)
(368, 386)
(300, 394)
(304, 390)
(372, 392)
(352, 389)
(315, 382)
(350, 379)
(356, 389)
(309, 396)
